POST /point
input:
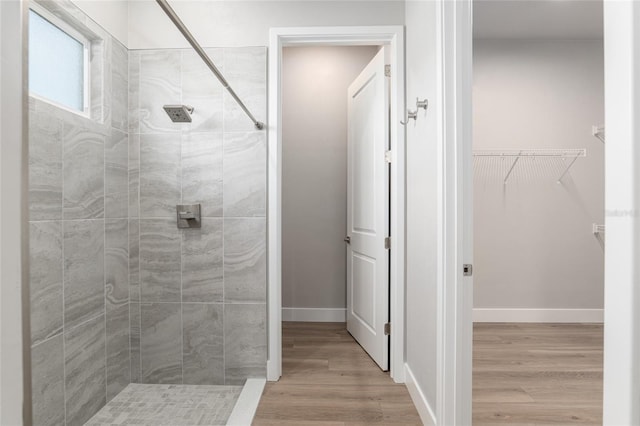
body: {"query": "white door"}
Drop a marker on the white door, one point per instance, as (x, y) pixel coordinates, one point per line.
(368, 210)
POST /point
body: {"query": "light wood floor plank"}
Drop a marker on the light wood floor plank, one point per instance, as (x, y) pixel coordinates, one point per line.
(328, 380)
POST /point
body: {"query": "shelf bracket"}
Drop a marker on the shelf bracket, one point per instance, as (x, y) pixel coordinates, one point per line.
(506, 178)
(567, 169)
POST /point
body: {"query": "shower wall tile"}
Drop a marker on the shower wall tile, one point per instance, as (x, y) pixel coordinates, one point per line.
(159, 261)
(83, 173)
(134, 260)
(159, 175)
(245, 174)
(85, 368)
(47, 381)
(134, 91)
(246, 70)
(202, 171)
(134, 341)
(116, 184)
(134, 175)
(197, 296)
(159, 85)
(118, 340)
(45, 165)
(202, 262)
(119, 87)
(245, 260)
(201, 90)
(116, 258)
(245, 349)
(203, 349)
(161, 343)
(45, 268)
(83, 271)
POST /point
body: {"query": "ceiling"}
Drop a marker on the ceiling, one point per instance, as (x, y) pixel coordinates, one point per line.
(537, 19)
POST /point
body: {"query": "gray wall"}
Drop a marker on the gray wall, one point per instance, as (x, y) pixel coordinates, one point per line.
(79, 245)
(314, 172)
(198, 296)
(533, 242)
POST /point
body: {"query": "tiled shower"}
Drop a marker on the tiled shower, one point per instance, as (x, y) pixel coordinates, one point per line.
(119, 294)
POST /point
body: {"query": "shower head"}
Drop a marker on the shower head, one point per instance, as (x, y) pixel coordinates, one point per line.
(179, 113)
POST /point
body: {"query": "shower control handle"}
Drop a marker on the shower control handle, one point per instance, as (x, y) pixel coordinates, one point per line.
(187, 215)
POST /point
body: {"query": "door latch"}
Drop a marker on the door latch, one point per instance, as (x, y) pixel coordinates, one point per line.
(467, 270)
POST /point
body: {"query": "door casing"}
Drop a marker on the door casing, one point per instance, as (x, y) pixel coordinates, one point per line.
(393, 37)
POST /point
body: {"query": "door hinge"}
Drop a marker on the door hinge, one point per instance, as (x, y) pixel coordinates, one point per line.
(387, 329)
(387, 243)
(387, 156)
(467, 270)
(387, 70)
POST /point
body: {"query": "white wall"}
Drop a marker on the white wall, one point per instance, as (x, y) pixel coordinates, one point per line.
(112, 15)
(12, 213)
(534, 246)
(422, 210)
(246, 23)
(314, 172)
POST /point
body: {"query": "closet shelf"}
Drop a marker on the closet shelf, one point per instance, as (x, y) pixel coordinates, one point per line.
(598, 132)
(516, 155)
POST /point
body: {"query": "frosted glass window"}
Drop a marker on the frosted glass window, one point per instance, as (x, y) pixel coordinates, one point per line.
(56, 64)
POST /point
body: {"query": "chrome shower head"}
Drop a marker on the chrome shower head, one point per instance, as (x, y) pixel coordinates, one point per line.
(179, 113)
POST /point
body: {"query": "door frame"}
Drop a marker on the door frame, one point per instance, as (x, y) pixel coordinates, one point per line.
(393, 36)
(622, 212)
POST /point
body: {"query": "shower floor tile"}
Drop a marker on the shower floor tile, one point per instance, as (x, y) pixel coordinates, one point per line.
(169, 405)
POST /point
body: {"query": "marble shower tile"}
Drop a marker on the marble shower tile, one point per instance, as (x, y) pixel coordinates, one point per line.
(246, 70)
(83, 173)
(160, 258)
(134, 176)
(159, 85)
(47, 381)
(245, 260)
(83, 270)
(245, 174)
(202, 171)
(201, 90)
(159, 175)
(85, 368)
(203, 344)
(202, 279)
(45, 268)
(116, 184)
(161, 343)
(134, 91)
(134, 260)
(245, 348)
(134, 341)
(119, 86)
(45, 165)
(116, 258)
(118, 362)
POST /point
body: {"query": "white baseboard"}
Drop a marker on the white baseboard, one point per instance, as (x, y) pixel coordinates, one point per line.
(538, 315)
(314, 314)
(418, 398)
(247, 403)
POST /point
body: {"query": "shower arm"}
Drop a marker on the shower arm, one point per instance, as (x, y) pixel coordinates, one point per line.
(200, 51)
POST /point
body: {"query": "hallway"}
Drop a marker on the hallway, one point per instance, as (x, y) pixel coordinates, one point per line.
(328, 379)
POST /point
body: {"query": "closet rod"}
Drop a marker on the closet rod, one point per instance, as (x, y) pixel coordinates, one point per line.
(200, 51)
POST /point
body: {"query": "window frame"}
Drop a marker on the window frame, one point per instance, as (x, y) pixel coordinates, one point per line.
(69, 30)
